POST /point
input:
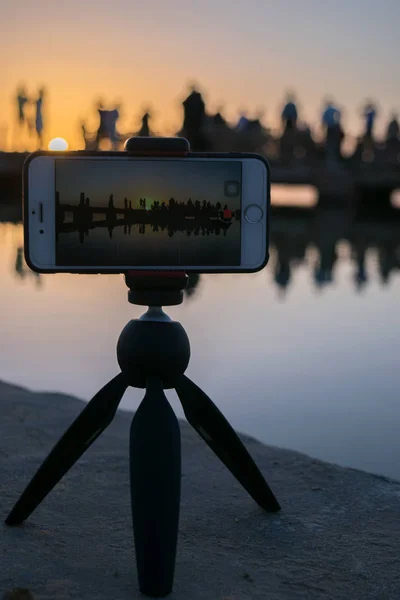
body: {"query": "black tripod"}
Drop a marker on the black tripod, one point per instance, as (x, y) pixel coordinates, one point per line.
(153, 353)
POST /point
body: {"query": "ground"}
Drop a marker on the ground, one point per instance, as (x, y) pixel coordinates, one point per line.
(337, 535)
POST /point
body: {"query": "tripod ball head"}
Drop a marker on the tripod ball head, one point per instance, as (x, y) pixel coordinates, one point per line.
(153, 349)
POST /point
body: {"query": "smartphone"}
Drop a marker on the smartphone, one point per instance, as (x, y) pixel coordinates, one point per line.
(103, 212)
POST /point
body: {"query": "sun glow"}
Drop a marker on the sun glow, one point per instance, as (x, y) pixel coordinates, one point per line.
(58, 144)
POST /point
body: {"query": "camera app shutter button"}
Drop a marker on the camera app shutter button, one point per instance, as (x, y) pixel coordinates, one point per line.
(253, 213)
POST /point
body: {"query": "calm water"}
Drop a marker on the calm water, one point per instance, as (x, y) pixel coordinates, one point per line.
(292, 358)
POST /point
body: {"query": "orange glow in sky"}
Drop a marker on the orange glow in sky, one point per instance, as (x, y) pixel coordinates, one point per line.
(243, 54)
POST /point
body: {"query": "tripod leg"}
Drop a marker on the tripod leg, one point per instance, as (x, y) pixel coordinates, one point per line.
(155, 454)
(215, 430)
(94, 418)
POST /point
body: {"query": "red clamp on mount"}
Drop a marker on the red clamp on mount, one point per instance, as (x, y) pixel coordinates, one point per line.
(156, 288)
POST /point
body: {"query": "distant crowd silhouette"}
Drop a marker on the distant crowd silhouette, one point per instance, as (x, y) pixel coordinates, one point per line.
(209, 131)
(212, 132)
(197, 218)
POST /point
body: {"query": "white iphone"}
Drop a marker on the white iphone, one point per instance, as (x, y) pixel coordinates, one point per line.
(114, 212)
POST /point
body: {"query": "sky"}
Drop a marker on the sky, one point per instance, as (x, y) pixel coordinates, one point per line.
(243, 54)
(155, 180)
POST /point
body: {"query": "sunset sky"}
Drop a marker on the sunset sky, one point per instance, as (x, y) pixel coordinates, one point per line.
(242, 53)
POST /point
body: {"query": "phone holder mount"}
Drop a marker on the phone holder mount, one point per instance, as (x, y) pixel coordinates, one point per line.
(153, 353)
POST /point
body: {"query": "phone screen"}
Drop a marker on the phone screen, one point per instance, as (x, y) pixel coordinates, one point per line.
(148, 212)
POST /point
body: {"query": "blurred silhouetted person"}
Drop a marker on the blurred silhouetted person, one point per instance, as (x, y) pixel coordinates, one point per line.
(108, 125)
(331, 123)
(39, 117)
(393, 129)
(144, 131)
(22, 99)
(243, 123)
(84, 132)
(393, 139)
(255, 125)
(330, 115)
(194, 110)
(370, 114)
(289, 113)
(218, 119)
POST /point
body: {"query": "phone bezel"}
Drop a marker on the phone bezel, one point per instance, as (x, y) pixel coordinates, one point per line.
(125, 155)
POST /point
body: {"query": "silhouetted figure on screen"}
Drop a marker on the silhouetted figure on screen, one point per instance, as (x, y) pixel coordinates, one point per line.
(126, 203)
(194, 119)
(111, 202)
(289, 113)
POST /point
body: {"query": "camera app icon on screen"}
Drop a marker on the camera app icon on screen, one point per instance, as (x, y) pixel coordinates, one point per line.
(232, 189)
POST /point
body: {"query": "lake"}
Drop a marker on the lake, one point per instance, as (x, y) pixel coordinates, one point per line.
(302, 355)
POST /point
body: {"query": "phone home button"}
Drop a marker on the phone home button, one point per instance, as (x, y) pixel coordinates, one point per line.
(253, 213)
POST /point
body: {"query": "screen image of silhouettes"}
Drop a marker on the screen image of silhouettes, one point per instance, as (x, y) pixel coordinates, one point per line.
(148, 212)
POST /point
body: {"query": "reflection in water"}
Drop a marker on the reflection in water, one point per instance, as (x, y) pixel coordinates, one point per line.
(289, 250)
(314, 240)
(192, 284)
(21, 268)
(317, 373)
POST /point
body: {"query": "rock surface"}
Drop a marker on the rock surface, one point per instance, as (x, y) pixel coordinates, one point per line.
(337, 536)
